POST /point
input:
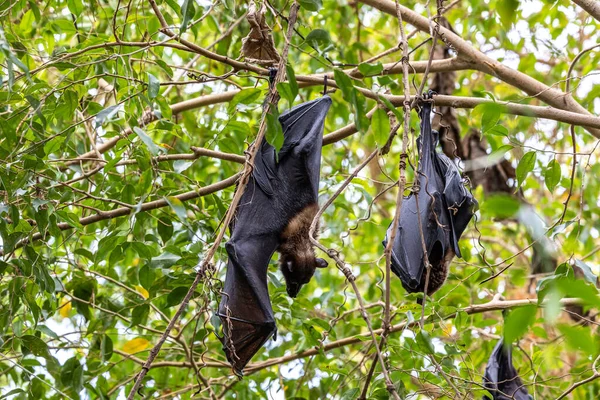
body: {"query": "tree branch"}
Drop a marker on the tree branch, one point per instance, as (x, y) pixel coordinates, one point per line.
(493, 305)
(122, 211)
(483, 63)
(592, 7)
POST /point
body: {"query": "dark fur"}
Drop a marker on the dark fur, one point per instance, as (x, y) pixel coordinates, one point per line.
(298, 262)
(437, 274)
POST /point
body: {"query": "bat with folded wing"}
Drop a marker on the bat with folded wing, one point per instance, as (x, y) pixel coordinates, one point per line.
(501, 378)
(274, 214)
(432, 218)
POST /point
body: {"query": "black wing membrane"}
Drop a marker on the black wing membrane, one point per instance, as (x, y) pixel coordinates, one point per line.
(275, 193)
(460, 202)
(442, 208)
(501, 378)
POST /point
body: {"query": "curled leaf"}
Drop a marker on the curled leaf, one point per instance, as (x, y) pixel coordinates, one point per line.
(258, 46)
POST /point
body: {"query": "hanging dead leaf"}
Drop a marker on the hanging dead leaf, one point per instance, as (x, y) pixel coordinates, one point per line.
(258, 47)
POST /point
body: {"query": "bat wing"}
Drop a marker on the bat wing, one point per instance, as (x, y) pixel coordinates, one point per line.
(501, 378)
(460, 202)
(264, 171)
(407, 250)
(245, 308)
(303, 138)
(302, 128)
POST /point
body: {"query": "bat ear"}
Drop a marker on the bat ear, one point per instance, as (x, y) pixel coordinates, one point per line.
(290, 266)
(321, 263)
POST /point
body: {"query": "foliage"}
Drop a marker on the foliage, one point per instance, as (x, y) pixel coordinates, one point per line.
(98, 251)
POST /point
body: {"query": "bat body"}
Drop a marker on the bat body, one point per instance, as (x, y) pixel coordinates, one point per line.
(501, 378)
(441, 209)
(274, 213)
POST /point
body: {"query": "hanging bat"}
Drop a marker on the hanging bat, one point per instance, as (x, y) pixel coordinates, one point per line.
(459, 201)
(274, 214)
(441, 208)
(501, 378)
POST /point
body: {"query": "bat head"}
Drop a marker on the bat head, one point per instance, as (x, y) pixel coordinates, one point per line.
(298, 270)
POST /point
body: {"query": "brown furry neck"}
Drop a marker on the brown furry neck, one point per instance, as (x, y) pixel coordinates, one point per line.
(295, 241)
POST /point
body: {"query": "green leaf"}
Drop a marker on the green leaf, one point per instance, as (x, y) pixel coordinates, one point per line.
(579, 288)
(380, 126)
(370, 69)
(350, 394)
(165, 67)
(153, 86)
(500, 206)
(490, 117)
(106, 348)
(106, 114)
(164, 260)
(139, 314)
(424, 342)
(353, 97)
(71, 375)
(274, 134)
(35, 345)
(391, 107)
(552, 308)
(54, 145)
(245, 96)
(312, 337)
(181, 165)
(507, 9)
(177, 206)
(525, 166)
(165, 109)
(75, 6)
(517, 323)
(165, 228)
(587, 272)
(152, 147)
(498, 130)
(285, 91)
(311, 5)
(106, 245)
(291, 78)
(146, 276)
(344, 83)
(26, 24)
(176, 296)
(188, 11)
(319, 39)
(70, 218)
(579, 338)
(552, 175)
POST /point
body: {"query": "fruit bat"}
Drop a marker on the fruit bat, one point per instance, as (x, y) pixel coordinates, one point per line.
(501, 378)
(442, 207)
(275, 213)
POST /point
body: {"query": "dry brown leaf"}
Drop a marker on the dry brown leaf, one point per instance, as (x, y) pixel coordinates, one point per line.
(258, 47)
